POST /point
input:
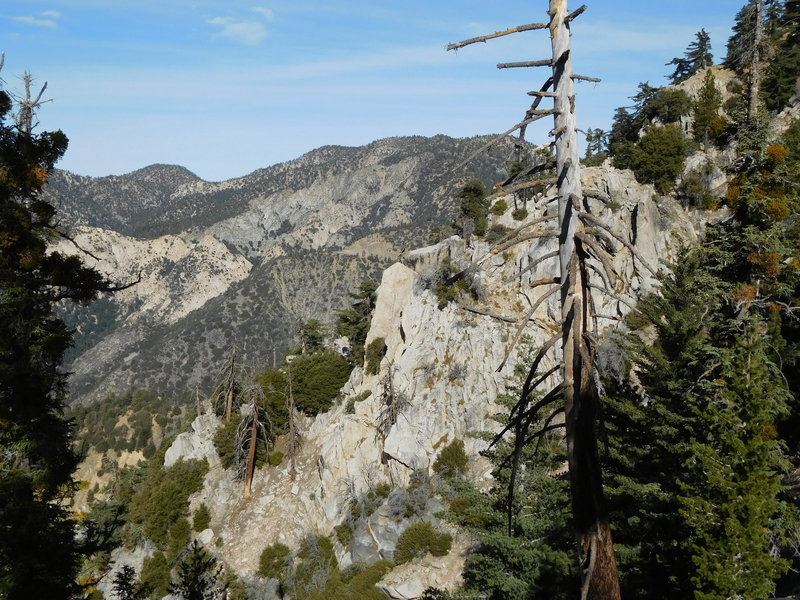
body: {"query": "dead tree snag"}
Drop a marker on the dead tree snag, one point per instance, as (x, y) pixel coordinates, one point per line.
(583, 252)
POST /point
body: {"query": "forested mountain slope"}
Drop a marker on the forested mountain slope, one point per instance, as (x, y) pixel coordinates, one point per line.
(246, 261)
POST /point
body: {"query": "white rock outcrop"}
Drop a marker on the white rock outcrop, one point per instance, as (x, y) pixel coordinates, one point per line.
(443, 366)
(197, 443)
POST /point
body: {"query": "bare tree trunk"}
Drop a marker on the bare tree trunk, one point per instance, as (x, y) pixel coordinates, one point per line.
(251, 458)
(600, 580)
(28, 106)
(577, 243)
(755, 67)
(230, 392)
(294, 442)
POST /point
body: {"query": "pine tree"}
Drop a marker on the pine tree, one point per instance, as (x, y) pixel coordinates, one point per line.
(198, 575)
(706, 107)
(697, 57)
(596, 141)
(731, 504)
(311, 336)
(694, 466)
(474, 208)
(783, 75)
(524, 538)
(38, 553)
(125, 586)
(649, 432)
(742, 48)
(353, 322)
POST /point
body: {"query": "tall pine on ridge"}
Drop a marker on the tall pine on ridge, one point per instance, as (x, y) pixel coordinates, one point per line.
(39, 557)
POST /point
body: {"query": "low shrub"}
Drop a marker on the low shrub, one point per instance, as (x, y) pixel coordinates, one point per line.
(350, 408)
(373, 354)
(225, 442)
(155, 574)
(180, 534)
(519, 214)
(693, 190)
(274, 561)
(201, 519)
(500, 207)
(419, 539)
(496, 232)
(162, 497)
(452, 460)
(450, 292)
(383, 489)
(344, 534)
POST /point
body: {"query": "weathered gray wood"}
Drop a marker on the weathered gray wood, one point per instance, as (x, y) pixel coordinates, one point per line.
(599, 570)
(576, 13)
(527, 63)
(486, 313)
(491, 36)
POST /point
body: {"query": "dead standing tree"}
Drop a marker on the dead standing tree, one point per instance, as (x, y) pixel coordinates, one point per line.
(28, 105)
(585, 247)
(226, 398)
(294, 439)
(255, 426)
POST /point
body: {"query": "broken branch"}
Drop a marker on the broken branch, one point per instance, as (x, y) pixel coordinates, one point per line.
(573, 15)
(527, 63)
(486, 313)
(524, 322)
(491, 36)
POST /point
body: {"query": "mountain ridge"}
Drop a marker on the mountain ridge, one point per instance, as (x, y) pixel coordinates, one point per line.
(309, 229)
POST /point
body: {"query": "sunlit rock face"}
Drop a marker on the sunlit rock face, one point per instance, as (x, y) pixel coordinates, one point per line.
(441, 371)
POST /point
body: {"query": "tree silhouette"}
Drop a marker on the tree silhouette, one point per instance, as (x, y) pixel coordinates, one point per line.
(198, 575)
(38, 552)
(697, 57)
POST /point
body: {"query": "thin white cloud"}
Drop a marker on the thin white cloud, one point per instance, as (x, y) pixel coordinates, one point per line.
(267, 13)
(47, 19)
(250, 33)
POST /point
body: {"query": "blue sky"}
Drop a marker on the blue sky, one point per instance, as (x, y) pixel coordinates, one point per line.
(226, 87)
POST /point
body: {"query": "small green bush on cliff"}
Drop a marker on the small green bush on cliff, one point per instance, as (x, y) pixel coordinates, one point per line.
(373, 355)
(452, 460)
(419, 539)
(659, 155)
(274, 561)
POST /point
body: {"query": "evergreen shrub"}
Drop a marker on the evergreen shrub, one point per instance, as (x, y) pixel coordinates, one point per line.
(274, 561)
(161, 498)
(419, 539)
(373, 354)
(500, 207)
(452, 460)
(659, 155)
(317, 379)
(519, 214)
(202, 518)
